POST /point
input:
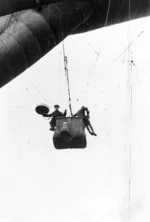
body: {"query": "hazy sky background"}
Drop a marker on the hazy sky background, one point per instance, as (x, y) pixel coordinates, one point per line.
(42, 184)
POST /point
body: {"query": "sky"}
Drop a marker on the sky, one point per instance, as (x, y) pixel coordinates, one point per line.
(107, 181)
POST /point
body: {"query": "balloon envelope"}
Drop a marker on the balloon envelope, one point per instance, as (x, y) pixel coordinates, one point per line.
(27, 34)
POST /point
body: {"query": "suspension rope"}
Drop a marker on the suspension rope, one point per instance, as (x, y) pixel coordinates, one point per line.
(129, 46)
(129, 113)
(67, 76)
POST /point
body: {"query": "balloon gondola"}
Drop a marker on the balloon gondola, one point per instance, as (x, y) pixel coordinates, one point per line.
(69, 133)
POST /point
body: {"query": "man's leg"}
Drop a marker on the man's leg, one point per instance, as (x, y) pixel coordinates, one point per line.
(90, 128)
(52, 124)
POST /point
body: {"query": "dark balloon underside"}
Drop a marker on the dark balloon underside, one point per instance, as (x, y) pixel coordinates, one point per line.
(27, 33)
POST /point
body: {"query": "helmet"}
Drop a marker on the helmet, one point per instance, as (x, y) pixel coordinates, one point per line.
(57, 106)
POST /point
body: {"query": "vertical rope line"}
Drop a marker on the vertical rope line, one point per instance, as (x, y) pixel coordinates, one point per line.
(60, 76)
(67, 76)
(129, 100)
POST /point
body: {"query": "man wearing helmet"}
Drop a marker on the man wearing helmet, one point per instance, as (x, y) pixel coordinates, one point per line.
(54, 115)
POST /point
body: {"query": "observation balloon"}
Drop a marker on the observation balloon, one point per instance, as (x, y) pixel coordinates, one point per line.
(31, 28)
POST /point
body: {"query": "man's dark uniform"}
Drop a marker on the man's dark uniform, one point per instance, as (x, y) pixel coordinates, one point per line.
(84, 113)
(54, 116)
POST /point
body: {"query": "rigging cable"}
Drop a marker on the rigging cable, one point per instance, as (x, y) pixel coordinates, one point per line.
(96, 52)
(67, 76)
(129, 45)
(129, 114)
(129, 133)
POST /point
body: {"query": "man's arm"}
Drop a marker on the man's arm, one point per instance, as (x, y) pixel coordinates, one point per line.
(65, 113)
(47, 115)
